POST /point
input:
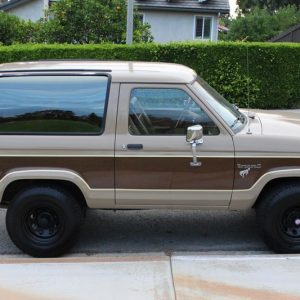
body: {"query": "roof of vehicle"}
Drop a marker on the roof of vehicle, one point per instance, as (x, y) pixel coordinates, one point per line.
(121, 71)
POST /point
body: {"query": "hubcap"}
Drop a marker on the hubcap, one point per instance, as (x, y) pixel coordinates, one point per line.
(42, 222)
(291, 222)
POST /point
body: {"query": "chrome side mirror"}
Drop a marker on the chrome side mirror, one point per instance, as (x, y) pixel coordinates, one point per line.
(194, 136)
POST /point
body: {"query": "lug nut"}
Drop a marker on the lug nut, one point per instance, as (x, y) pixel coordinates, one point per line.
(297, 222)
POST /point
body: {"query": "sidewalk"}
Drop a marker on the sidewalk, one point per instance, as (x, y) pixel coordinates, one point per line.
(152, 276)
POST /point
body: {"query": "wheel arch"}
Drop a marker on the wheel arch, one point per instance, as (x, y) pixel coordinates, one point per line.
(16, 180)
(249, 198)
(277, 182)
(16, 186)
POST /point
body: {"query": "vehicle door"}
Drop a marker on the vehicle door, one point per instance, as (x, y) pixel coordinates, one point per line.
(153, 159)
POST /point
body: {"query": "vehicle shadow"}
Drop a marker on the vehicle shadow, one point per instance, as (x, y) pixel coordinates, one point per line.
(169, 231)
(166, 231)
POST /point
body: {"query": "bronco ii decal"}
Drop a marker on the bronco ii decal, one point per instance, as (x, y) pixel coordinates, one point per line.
(247, 169)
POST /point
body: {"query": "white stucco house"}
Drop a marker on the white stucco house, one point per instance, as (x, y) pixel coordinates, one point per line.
(26, 9)
(183, 20)
(170, 20)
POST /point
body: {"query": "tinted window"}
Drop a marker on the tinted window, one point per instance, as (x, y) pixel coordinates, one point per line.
(166, 112)
(52, 104)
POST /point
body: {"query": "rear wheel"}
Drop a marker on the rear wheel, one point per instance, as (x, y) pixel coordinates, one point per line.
(279, 218)
(44, 221)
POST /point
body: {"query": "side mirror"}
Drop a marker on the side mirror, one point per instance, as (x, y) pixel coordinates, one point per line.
(195, 134)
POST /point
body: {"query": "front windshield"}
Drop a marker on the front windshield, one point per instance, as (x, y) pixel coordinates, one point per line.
(227, 111)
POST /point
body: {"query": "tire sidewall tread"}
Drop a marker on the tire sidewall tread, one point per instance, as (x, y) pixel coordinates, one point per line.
(269, 212)
(55, 196)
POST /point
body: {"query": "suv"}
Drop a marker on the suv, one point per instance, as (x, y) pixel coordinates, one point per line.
(137, 135)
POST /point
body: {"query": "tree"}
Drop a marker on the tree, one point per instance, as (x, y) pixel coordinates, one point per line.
(9, 28)
(15, 30)
(261, 25)
(271, 5)
(89, 21)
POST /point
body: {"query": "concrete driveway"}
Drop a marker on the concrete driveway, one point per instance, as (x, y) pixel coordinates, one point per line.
(156, 276)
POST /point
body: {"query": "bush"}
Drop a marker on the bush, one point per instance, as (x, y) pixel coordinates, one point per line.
(261, 25)
(15, 30)
(274, 69)
(9, 28)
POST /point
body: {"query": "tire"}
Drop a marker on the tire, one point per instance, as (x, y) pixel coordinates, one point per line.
(44, 221)
(278, 216)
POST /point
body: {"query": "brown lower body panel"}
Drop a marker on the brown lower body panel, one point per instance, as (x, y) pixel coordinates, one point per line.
(97, 172)
(174, 173)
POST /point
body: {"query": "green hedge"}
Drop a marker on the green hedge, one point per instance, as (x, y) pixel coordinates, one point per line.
(274, 69)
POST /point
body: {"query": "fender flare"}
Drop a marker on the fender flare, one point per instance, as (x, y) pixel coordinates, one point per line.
(92, 196)
(244, 199)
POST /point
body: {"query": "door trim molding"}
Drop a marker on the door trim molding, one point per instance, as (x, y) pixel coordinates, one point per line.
(172, 197)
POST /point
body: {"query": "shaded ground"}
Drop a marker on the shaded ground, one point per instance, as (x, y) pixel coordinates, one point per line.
(160, 231)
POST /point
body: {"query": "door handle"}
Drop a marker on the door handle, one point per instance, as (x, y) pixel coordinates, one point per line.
(135, 146)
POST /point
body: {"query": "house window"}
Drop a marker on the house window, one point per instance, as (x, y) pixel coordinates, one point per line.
(203, 28)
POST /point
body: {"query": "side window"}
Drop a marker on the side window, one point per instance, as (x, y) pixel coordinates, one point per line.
(53, 104)
(159, 111)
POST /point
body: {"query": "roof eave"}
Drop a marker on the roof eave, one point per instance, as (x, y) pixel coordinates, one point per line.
(12, 4)
(285, 33)
(184, 9)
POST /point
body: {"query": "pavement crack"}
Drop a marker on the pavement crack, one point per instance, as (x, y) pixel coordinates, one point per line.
(172, 276)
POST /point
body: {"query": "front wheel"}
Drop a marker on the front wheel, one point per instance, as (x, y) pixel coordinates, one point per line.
(43, 221)
(278, 216)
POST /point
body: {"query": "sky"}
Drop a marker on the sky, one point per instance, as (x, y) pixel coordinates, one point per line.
(232, 7)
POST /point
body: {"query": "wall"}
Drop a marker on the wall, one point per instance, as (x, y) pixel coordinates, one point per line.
(175, 26)
(33, 10)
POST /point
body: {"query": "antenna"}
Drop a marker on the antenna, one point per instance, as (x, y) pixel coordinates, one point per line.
(248, 90)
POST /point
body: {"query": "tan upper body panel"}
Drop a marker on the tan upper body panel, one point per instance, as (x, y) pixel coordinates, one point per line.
(270, 133)
(137, 72)
(269, 146)
(280, 122)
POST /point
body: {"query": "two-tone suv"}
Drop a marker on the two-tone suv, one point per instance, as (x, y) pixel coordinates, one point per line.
(136, 135)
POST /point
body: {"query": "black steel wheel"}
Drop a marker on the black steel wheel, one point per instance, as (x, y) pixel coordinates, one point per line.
(278, 216)
(44, 221)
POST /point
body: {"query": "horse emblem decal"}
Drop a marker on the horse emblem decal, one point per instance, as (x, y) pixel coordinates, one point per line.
(245, 173)
(245, 169)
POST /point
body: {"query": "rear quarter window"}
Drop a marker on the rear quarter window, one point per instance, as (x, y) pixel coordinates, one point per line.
(53, 104)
